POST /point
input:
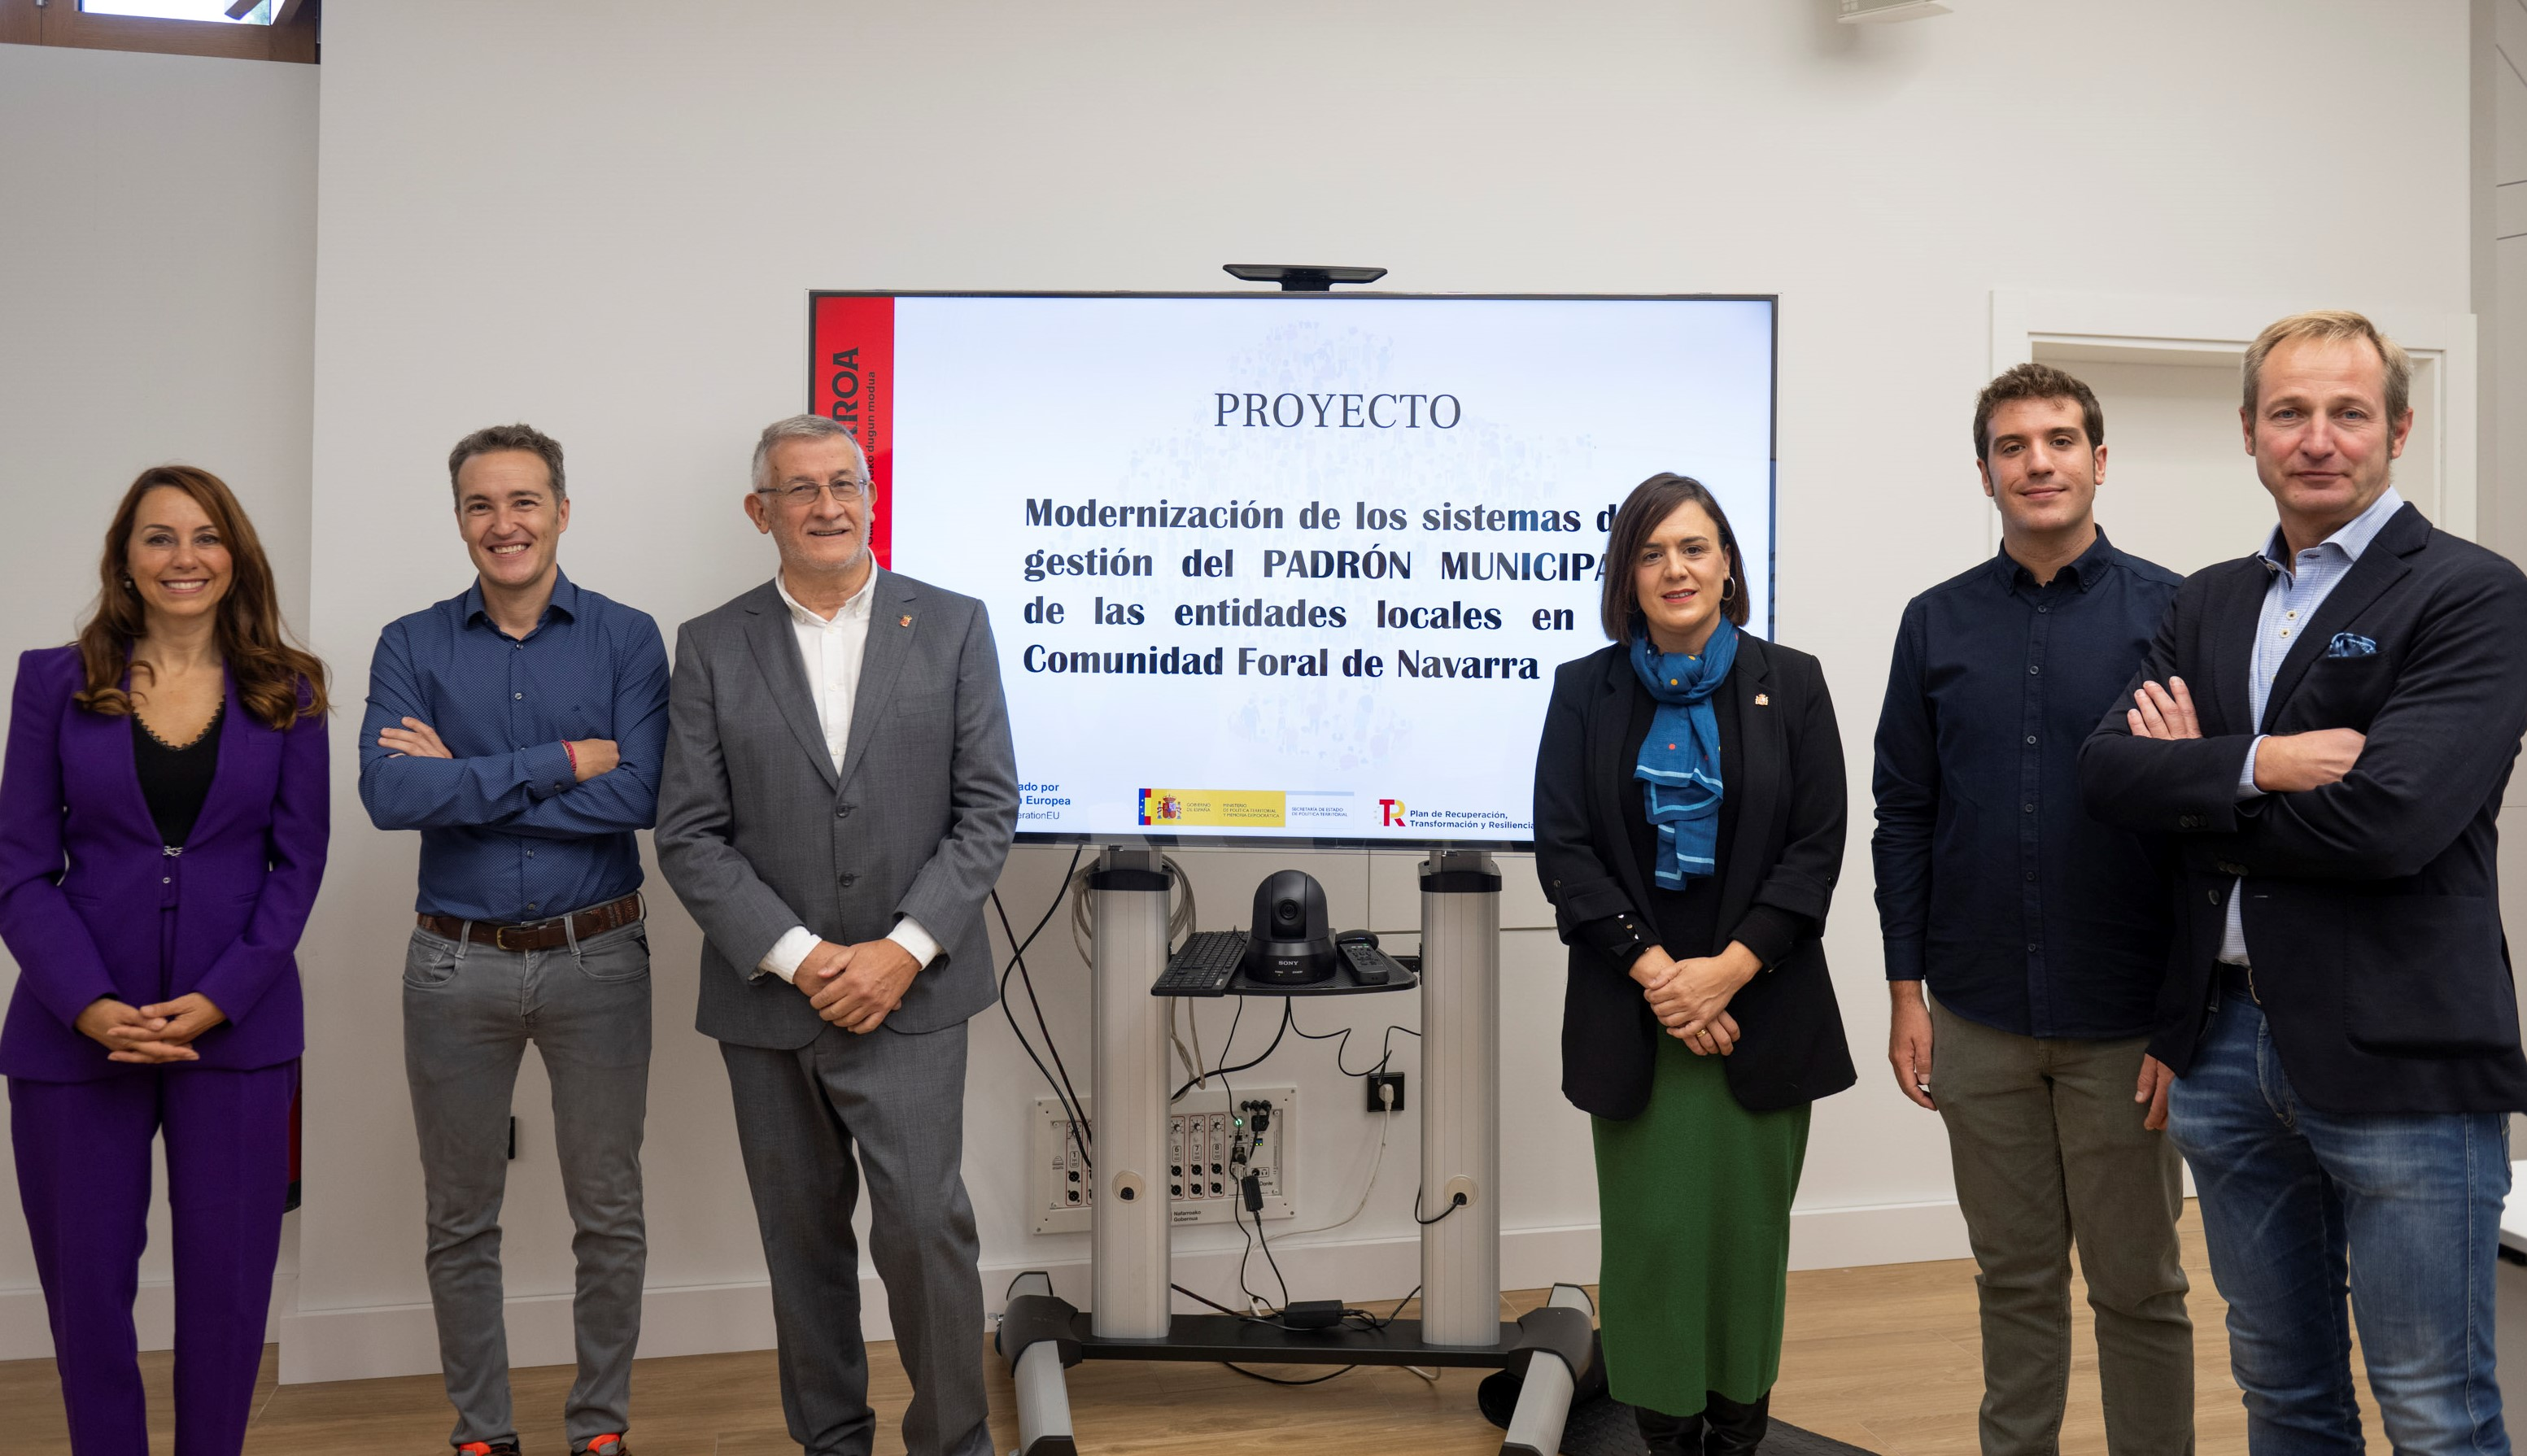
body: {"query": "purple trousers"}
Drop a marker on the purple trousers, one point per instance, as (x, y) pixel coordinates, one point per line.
(83, 1173)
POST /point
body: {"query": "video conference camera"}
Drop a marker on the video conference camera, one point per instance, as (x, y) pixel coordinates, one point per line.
(1290, 940)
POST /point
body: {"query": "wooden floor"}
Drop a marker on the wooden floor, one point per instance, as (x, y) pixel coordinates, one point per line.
(1886, 1358)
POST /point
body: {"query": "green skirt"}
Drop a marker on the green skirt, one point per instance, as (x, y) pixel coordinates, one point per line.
(1693, 1202)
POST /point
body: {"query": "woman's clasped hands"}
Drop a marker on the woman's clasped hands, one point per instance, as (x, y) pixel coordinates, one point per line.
(153, 1035)
(1690, 998)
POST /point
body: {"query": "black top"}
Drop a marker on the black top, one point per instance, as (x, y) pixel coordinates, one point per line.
(2024, 913)
(2372, 905)
(175, 781)
(1779, 852)
(1687, 922)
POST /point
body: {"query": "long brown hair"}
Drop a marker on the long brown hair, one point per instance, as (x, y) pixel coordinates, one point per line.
(1651, 502)
(277, 682)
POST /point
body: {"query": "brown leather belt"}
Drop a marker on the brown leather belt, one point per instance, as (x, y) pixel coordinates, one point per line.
(2238, 982)
(539, 934)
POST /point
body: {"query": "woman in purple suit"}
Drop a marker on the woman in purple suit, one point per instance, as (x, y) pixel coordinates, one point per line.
(162, 833)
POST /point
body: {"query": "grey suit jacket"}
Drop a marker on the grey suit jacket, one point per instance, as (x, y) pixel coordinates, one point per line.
(758, 833)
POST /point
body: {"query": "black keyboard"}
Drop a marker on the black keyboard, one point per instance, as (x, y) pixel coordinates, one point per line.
(1204, 967)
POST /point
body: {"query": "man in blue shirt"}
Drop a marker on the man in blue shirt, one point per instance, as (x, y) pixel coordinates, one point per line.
(2042, 934)
(520, 727)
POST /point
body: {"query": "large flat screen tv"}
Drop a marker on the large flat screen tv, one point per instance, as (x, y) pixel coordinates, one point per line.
(1279, 569)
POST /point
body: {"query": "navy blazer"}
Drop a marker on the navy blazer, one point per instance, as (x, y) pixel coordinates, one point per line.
(2372, 909)
(92, 905)
(1787, 852)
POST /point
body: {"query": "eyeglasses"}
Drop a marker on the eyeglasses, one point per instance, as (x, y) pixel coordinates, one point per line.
(803, 494)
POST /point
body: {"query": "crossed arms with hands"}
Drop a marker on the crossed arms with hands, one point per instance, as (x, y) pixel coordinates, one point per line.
(2283, 763)
(589, 757)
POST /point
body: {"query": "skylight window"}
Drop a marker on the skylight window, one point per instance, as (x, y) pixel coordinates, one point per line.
(180, 9)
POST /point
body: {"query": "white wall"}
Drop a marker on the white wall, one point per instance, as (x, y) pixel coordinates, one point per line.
(159, 251)
(606, 223)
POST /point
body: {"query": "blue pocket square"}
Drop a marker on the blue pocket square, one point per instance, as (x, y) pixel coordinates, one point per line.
(2350, 644)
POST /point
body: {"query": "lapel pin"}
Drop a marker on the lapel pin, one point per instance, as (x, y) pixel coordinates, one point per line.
(1763, 700)
(905, 621)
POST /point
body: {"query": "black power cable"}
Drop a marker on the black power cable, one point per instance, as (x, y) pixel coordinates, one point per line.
(1342, 1039)
(1071, 1107)
(1257, 1374)
(1454, 1203)
(1223, 1072)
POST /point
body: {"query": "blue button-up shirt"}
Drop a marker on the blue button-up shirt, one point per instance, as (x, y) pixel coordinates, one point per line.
(1993, 884)
(507, 833)
(2299, 586)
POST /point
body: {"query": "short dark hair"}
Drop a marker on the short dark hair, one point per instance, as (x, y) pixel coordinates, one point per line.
(2035, 382)
(492, 437)
(1651, 502)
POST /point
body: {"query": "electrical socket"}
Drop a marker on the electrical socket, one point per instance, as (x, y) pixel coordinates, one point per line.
(1376, 1080)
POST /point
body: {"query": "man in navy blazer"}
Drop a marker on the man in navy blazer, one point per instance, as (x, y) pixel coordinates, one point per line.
(2325, 728)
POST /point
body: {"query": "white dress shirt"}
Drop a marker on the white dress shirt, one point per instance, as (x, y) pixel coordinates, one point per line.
(2299, 586)
(831, 650)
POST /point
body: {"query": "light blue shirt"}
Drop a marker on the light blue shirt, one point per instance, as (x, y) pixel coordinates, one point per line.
(2291, 602)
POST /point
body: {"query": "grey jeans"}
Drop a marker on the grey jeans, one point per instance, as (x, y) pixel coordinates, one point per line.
(2049, 1150)
(469, 1011)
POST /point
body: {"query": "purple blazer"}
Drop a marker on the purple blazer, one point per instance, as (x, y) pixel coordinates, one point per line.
(91, 904)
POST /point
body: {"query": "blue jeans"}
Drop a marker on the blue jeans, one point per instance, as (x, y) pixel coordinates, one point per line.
(2403, 1211)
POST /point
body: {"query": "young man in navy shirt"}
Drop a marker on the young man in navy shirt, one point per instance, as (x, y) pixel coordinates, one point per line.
(2041, 934)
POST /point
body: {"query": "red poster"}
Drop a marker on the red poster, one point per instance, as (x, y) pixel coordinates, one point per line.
(852, 375)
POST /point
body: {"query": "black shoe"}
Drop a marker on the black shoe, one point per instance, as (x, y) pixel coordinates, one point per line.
(1671, 1435)
(1736, 1430)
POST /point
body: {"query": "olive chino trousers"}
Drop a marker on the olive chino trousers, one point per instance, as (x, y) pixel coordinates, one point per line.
(2049, 1153)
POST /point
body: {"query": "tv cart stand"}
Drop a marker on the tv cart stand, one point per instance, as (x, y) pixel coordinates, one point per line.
(1042, 1335)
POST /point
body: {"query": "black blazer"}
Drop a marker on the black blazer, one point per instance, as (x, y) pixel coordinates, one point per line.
(2372, 908)
(1787, 851)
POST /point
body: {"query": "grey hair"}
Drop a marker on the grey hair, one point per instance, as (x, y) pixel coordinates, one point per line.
(799, 427)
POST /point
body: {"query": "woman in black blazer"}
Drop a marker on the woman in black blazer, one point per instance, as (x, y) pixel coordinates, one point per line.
(1689, 824)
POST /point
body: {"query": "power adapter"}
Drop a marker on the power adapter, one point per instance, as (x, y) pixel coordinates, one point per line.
(1313, 1314)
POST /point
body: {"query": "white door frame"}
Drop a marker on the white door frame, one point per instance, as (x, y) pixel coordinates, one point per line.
(2165, 330)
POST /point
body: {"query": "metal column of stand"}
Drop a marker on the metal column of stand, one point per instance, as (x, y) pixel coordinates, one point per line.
(1128, 1271)
(1127, 906)
(1460, 1099)
(1461, 1146)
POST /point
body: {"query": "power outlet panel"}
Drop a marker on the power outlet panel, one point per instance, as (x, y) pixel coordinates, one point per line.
(1206, 1131)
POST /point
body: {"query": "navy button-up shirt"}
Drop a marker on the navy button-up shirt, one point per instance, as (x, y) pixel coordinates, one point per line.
(507, 833)
(1993, 884)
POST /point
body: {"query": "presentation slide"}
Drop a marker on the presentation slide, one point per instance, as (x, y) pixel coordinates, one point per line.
(1288, 566)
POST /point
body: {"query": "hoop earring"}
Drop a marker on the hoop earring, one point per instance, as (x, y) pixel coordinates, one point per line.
(1728, 589)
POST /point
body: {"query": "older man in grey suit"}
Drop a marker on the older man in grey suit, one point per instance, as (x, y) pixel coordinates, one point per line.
(837, 799)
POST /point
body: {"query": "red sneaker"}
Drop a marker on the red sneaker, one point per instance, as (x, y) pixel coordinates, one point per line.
(608, 1444)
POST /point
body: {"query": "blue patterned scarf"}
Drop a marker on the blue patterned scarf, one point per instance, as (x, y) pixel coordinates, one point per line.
(1679, 765)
